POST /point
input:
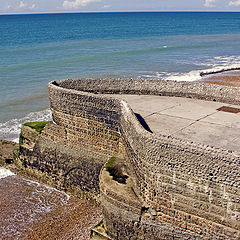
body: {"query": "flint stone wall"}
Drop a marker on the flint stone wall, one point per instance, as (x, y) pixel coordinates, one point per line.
(73, 149)
(191, 187)
(196, 90)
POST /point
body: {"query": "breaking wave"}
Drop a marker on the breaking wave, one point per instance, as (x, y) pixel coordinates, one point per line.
(216, 65)
(5, 173)
(198, 74)
(10, 130)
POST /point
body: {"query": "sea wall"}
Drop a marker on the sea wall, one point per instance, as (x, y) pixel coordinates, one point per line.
(181, 190)
(190, 186)
(196, 90)
(85, 133)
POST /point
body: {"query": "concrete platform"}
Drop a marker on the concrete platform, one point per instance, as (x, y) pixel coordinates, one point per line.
(190, 119)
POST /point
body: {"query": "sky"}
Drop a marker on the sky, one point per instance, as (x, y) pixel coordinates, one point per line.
(47, 6)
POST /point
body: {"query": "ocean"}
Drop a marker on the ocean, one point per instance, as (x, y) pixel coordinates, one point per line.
(36, 49)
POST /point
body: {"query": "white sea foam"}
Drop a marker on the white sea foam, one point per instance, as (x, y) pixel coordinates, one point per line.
(5, 173)
(10, 130)
(214, 65)
(221, 61)
(197, 75)
(189, 77)
(40, 187)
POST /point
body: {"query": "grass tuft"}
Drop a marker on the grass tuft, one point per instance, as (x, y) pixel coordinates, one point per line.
(38, 126)
(15, 154)
(21, 138)
(110, 163)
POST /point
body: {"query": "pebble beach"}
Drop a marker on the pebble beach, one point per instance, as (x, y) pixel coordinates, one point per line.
(31, 210)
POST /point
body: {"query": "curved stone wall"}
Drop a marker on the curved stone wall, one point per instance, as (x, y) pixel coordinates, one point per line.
(87, 119)
(73, 149)
(196, 90)
(125, 217)
(192, 188)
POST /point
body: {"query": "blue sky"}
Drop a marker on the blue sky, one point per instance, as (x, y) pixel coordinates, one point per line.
(36, 6)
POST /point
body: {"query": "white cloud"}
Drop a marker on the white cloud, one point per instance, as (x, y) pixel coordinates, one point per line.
(106, 6)
(234, 3)
(21, 4)
(78, 3)
(209, 3)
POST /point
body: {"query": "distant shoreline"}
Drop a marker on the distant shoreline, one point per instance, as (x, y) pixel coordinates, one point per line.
(226, 78)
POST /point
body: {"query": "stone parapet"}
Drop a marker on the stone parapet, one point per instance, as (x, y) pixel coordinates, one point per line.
(192, 189)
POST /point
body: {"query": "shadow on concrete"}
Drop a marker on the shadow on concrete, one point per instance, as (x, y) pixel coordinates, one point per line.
(143, 123)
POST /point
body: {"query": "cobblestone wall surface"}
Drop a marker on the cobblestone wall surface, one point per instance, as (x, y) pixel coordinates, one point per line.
(193, 188)
(155, 87)
(71, 166)
(73, 149)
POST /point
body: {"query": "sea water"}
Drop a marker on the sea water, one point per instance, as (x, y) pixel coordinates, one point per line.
(36, 49)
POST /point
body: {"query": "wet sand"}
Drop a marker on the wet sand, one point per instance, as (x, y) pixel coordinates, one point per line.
(30, 210)
(229, 78)
(33, 211)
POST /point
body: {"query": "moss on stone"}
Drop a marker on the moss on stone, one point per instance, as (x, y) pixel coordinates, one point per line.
(116, 167)
(20, 138)
(110, 163)
(38, 126)
(16, 154)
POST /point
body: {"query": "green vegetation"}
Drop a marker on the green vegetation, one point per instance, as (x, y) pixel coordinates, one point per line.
(38, 126)
(15, 154)
(115, 169)
(110, 163)
(20, 138)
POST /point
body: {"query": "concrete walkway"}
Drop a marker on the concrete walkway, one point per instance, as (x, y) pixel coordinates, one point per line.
(191, 119)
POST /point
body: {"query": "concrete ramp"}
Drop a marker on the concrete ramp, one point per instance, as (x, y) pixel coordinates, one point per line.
(206, 122)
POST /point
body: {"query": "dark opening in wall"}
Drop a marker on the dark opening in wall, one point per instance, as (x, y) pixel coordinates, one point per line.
(117, 170)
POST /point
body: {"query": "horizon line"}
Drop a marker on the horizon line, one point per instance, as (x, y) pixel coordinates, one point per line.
(133, 11)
